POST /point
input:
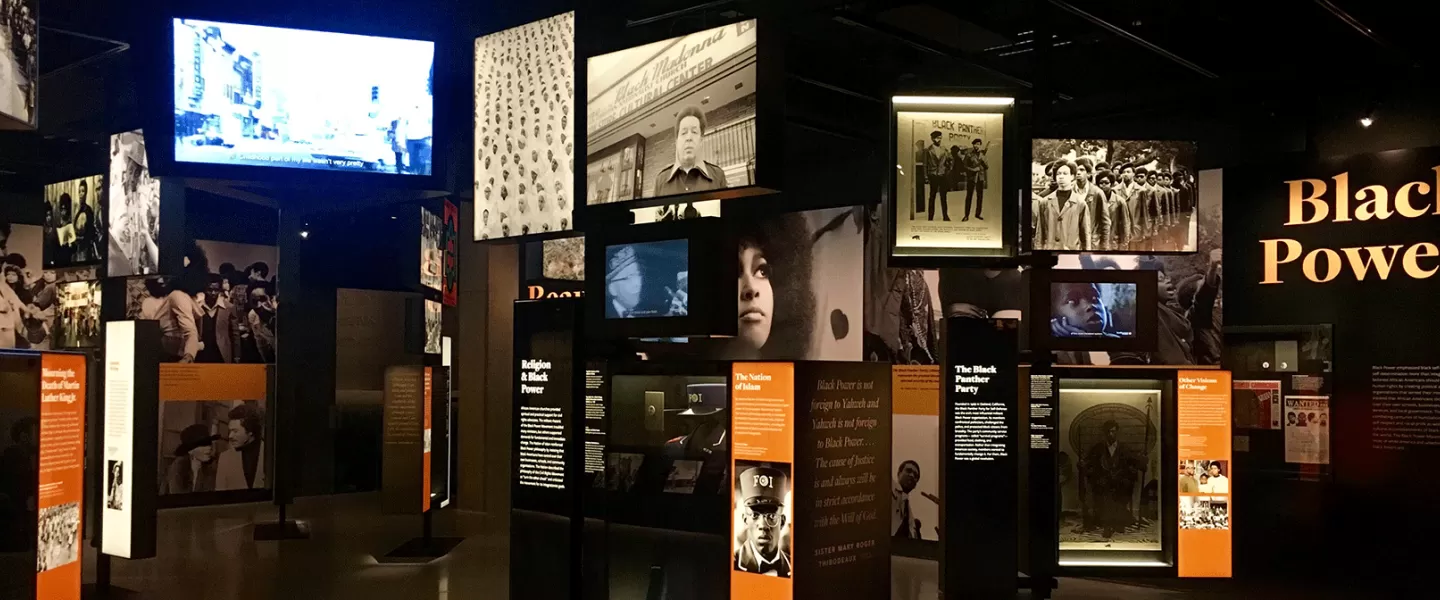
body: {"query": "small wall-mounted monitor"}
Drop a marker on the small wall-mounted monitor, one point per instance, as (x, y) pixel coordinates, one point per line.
(1095, 311)
(661, 280)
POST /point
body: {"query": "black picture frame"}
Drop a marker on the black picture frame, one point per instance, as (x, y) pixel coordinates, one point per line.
(955, 101)
(1146, 310)
(155, 47)
(712, 282)
(609, 35)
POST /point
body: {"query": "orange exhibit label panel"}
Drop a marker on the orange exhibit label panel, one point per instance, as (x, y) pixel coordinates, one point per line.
(763, 451)
(212, 427)
(1206, 480)
(62, 472)
(428, 399)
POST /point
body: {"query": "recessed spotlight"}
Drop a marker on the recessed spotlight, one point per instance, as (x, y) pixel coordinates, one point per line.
(1367, 121)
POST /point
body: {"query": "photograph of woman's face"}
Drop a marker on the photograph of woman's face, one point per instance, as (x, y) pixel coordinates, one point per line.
(757, 299)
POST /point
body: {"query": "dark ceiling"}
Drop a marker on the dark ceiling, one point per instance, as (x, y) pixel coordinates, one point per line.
(1261, 75)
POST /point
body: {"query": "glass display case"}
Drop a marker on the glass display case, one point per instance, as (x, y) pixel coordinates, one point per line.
(1112, 476)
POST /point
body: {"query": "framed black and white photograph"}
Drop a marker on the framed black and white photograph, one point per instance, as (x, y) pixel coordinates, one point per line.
(20, 64)
(1109, 460)
(74, 224)
(949, 191)
(432, 253)
(672, 118)
(134, 203)
(433, 310)
(763, 518)
(1122, 196)
(210, 446)
(525, 129)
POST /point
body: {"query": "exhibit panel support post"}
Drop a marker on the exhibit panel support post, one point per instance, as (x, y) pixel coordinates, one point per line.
(980, 550)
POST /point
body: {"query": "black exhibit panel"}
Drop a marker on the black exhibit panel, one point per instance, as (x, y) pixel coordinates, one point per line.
(842, 474)
(1349, 241)
(979, 548)
(20, 418)
(547, 449)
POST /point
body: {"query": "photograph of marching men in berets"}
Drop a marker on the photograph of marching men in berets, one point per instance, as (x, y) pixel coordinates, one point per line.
(1113, 196)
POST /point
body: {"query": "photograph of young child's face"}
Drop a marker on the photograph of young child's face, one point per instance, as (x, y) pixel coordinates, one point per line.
(1078, 306)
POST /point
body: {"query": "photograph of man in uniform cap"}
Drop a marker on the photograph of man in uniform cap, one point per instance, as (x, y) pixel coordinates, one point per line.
(762, 541)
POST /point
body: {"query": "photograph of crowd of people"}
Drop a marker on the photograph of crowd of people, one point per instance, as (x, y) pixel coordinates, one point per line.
(762, 522)
(59, 539)
(270, 96)
(1113, 196)
(77, 319)
(28, 295)
(563, 259)
(134, 208)
(19, 60)
(1205, 513)
(958, 159)
(1093, 310)
(75, 222)
(1109, 464)
(222, 309)
(210, 446)
(432, 253)
(525, 143)
(115, 485)
(701, 140)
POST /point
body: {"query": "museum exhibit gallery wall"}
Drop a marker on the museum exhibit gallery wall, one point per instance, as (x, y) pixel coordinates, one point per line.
(1074, 335)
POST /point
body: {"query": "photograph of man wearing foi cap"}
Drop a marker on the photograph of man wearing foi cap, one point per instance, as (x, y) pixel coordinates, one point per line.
(762, 541)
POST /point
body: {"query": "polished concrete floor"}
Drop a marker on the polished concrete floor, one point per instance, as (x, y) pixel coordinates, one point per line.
(208, 554)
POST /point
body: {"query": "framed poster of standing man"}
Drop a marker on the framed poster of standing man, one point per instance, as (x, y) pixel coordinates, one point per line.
(948, 196)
